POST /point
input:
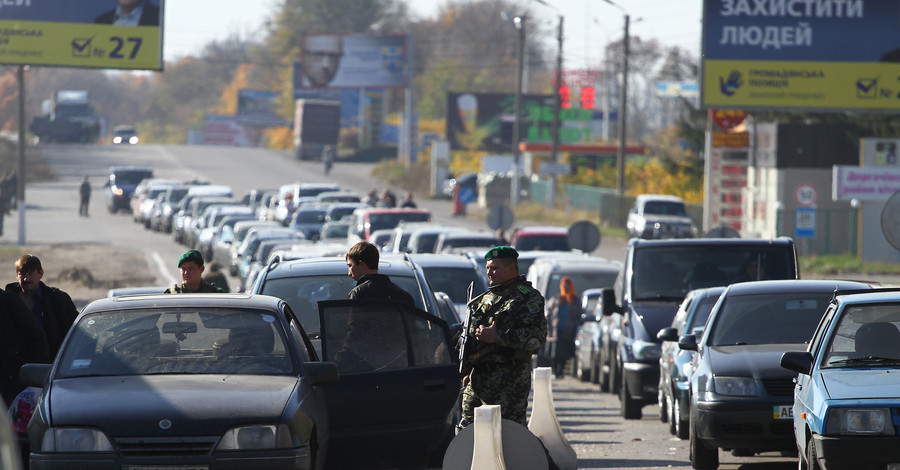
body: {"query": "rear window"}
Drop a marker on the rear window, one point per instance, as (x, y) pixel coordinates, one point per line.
(582, 281)
(391, 220)
(769, 319)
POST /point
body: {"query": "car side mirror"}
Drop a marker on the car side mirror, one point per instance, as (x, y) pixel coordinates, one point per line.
(688, 343)
(608, 301)
(668, 334)
(34, 375)
(797, 361)
(320, 373)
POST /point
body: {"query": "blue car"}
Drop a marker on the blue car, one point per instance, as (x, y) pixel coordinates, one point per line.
(847, 397)
(674, 362)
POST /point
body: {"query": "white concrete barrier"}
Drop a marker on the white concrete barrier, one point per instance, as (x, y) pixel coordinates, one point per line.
(544, 423)
(488, 452)
(492, 443)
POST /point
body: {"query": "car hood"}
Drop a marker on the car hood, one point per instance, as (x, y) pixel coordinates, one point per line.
(861, 383)
(196, 404)
(760, 360)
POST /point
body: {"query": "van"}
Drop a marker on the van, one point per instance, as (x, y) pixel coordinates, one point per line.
(121, 183)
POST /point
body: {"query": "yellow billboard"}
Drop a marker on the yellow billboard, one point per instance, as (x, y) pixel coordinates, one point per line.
(114, 34)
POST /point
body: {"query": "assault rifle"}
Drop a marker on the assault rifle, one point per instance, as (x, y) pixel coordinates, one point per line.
(464, 335)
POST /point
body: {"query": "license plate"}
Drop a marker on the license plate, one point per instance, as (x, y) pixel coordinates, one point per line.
(165, 467)
(783, 412)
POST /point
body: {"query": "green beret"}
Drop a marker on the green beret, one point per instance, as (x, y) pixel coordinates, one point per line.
(501, 252)
(191, 255)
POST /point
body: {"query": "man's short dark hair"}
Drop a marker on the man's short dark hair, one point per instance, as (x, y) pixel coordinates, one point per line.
(28, 263)
(364, 252)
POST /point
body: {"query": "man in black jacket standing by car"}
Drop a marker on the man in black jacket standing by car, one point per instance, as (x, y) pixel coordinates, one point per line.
(21, 341)
(362, 266)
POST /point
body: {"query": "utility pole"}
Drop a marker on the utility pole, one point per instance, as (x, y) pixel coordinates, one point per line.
(20, 176)
(554, 129)
(623, 114)
(519, 23)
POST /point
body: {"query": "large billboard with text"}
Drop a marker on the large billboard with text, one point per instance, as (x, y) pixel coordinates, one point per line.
(801, 55)
(353, 61)
(82, 33)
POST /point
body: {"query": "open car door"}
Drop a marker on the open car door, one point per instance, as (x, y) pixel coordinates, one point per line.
(398, 388)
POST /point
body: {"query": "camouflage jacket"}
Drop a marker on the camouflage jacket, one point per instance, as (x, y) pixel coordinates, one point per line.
(517, 308)
(205, 287)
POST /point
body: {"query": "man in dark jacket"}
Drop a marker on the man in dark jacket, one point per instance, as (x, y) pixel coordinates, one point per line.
(21, 341)
(51, 307)
(362, 266)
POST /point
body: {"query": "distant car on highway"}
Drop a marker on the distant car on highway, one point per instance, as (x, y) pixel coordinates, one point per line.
(125, 134)
(541, 238)
(659, 216)
(234, 381)
(120, 185)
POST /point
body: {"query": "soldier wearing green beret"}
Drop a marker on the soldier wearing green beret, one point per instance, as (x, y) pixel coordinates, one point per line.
(505, 328)
(191, 266)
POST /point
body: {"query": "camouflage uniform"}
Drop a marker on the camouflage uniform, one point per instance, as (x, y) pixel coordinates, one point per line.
(205, 288)
(501, 371)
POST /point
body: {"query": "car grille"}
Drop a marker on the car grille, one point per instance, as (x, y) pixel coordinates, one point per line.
(134, 446)
(779, 387)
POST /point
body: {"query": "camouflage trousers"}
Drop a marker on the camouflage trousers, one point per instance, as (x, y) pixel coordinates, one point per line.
(507, 385)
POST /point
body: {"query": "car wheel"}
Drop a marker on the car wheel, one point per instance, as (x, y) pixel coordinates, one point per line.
(670, 407)
(812, 462)
(631, 408)
(603, 375)
(681, 425)
(702, 457)
(661, 402)
(582, 370)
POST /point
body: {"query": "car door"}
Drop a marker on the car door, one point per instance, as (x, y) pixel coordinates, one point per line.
(398, 386)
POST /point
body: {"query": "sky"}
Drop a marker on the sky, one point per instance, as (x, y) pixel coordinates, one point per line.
(588, 24)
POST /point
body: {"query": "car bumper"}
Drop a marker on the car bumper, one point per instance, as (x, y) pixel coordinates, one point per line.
(855, 453)
(642, 380)
(281, 460)
(750, 425)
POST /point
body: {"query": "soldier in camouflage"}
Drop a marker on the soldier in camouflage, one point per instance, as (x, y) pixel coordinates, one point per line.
(191, 266)
(507, 325)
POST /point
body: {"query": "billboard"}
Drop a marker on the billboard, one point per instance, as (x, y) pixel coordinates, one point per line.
(353, 61)
(827, 55)
(484, 121)
(257, 107)
(82, 33)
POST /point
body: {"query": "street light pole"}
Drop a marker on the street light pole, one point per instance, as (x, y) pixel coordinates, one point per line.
(519, 22)
(554, 129)
(623, 114)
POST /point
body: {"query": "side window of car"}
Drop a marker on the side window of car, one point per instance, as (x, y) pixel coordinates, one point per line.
(815, 345)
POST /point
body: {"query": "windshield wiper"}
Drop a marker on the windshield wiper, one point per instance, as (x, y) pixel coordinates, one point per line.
(868, 359)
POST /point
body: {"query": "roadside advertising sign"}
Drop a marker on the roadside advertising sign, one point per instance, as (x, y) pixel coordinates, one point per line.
(82, 33)
(353, 61)
(801, 55)
(257, 107)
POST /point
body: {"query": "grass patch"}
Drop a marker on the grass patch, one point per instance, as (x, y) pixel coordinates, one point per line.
(841, 264)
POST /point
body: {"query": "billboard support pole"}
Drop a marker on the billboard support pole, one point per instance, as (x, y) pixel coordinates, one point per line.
(519, 23)
(409, 143)
(20, 177)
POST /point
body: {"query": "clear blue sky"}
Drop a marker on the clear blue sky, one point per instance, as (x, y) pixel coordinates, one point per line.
(589, 24)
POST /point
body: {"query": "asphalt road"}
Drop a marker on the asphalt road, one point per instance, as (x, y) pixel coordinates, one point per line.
(589, 419)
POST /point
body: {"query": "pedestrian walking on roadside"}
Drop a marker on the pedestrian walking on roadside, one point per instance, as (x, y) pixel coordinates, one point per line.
(328, 158)
(84, 191)
(191, 266)
(563, 318)
(51, 307)
(408, 202)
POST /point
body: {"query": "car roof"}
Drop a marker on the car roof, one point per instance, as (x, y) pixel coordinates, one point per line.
(392, 210)
(182, 301)
(791, 285)
(585, 264)
(390, 265)
(541, 230)
(659, 197)
(877, 295)
(428, 260)
(760, 242)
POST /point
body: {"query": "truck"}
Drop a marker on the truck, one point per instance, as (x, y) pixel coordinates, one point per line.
(317, 123)
(68, 117)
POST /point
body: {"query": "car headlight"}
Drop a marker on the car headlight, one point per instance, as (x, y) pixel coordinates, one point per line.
(118, 192)
(75, 440)
(734, 386)
(117, 139)
(133, 140)
(272, 436)
(645, 350)
(859, 421)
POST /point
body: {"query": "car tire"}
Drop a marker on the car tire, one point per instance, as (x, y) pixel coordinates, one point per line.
(670, 408)
(682, 426)
(582, 371)
(663, 405)
(603, 376)
(631, 408)
(702, 457)
(812, 462)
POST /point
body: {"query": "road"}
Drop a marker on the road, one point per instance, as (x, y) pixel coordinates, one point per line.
(589, 419)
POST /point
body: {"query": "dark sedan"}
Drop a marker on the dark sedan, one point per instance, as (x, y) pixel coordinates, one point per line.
(227, 381)
(741, 397)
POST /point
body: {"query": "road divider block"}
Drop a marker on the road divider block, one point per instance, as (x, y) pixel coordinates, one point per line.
(492, 443)
(544, 423)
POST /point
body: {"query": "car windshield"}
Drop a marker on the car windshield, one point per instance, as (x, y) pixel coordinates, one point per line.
(302, 293)
(391, 220)
(865, 335)
(311, 217)
(176, 341)
(768, 318)
(454, 282)
(667, 272)
(131, 177)
(665, 208)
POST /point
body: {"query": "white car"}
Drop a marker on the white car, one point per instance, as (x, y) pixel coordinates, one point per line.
(659, 216)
